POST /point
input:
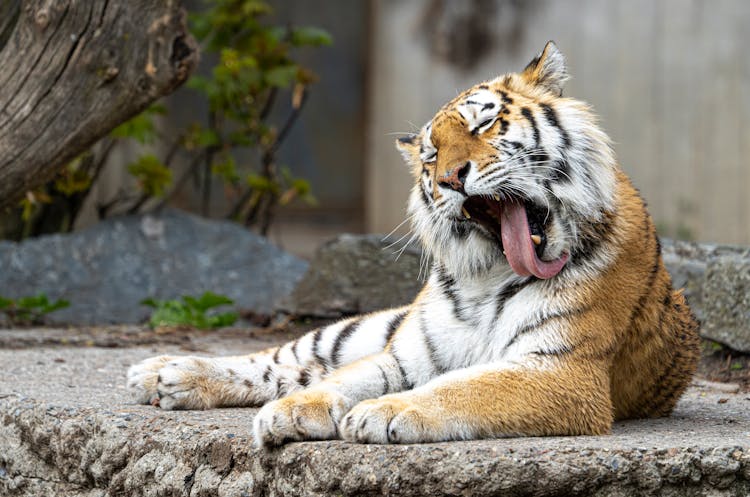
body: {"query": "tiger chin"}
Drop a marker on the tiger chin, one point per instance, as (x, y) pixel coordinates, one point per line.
(547, 310)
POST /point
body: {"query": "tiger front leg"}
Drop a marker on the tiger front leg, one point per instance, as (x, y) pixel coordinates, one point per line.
(486, 402)
(203, 383)
(315, 413)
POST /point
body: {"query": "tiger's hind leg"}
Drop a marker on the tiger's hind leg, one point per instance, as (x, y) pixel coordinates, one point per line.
(487, 401)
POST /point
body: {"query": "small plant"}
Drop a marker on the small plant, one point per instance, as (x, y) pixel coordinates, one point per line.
(253, 95)
(30, 310)
(191, 312)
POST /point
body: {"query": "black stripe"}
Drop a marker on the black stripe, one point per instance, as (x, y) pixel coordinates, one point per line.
(340, 339)
(506, 99)
(560, 172)
(654, 271)
(526, 112)
(394, 324)
(551, 116)
(305, 377)
(447, 284)
(279, 385)
(568, 313)
(503, 126)
(425, 197)
(591, 235)
(488, 105)
(386, 384)
(666, 392)
(294, 350)
(538, 158)
(510, 143)
(276, 355)
(508, 292)
(267, 374)
(559, 351)
(460, 229)
(431, 350)
(405, 383)
(316, 352)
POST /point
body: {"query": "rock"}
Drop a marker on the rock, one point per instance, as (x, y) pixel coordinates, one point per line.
(717, 285)
(67, 427)
(108, 269)
(357, 273)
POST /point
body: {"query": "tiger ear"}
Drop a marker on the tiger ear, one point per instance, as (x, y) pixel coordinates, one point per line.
(408, 146)
(547, 69)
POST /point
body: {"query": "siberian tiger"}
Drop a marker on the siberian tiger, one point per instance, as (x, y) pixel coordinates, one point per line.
(547, 311)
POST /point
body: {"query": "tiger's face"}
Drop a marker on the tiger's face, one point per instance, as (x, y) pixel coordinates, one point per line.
(510, 173)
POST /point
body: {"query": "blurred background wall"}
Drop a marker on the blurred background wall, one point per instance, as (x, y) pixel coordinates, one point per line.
(669, 78)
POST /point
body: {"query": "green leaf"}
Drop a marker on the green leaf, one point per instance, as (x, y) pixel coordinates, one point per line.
(153, 176)
(140, 128)
(33, 302)
(150, 302)
(72, 179)
(54, 306)
(208, 138)
(209, 300)
(281, 76)
(260, 183)
(222, 320)
(6, 303)
(226, 169)
(190, 311)
(170, 313)
(198, 83)
(310, 36)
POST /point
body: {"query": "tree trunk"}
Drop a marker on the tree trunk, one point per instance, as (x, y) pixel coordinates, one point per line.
(71, 70)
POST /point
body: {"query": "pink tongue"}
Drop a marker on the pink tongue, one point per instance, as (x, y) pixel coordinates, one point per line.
(519, 249)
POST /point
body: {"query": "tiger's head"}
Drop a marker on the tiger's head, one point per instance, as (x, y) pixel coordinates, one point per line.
(510, 173)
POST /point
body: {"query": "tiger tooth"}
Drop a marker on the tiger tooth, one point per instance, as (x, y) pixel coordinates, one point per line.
(536, 239)
(496, 197)
(465, 212)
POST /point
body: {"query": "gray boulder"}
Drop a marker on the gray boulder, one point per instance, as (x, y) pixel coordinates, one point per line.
(353, 274)
(106, 270)
(716, 279)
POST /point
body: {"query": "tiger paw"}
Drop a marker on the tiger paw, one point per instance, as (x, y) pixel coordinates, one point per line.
(305, 415)
(143, 378)
(173, 382)
(390, 419)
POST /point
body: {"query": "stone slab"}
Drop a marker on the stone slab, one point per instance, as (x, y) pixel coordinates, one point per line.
(70, 428)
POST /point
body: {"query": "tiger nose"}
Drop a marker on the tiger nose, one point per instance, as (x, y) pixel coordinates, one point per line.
(456, 177)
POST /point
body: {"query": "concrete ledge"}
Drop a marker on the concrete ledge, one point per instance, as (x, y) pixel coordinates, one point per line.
(69, 428)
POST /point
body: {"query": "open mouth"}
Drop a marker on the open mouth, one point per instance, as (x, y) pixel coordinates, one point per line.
(518, 227)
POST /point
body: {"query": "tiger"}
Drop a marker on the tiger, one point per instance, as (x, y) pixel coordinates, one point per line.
(547, 309)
